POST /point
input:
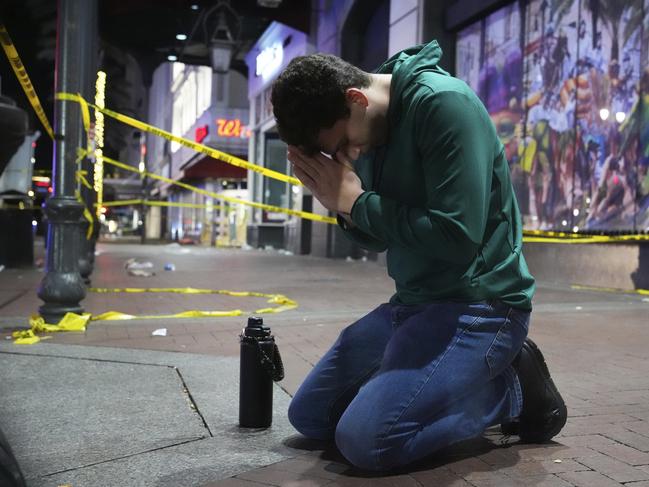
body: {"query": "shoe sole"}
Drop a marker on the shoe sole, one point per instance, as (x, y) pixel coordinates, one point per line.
(542, 368)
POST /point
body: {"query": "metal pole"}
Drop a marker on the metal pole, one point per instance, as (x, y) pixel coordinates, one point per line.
(89, 71)
(62, 288)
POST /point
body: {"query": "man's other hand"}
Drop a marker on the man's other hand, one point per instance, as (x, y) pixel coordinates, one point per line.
(332, 181)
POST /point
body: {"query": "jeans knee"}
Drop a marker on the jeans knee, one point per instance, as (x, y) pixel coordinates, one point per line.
(359, 443)
(305, 420)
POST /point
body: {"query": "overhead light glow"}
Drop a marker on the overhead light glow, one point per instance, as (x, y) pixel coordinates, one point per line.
(620, 116)
(181, 37)
(604, 113)
(172, 58)
(194, 7)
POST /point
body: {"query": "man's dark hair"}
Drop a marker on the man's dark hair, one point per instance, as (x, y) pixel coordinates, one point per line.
(309, 95)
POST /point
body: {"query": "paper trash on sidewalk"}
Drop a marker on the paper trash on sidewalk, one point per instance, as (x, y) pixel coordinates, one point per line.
(134, 264)
(160, 332)
(140, 273)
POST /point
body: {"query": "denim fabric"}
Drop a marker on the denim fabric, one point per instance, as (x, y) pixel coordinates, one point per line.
(405, 381)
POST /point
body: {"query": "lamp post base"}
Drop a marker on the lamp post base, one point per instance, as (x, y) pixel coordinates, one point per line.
(62, 288)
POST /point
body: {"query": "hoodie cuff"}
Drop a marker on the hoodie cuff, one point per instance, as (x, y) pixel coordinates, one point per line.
(365, 204)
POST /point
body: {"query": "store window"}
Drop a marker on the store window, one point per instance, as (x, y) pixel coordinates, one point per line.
(275, 192)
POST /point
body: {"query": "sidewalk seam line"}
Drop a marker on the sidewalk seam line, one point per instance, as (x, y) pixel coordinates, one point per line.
(86, 358)
(15, 298)
(191, 399)
(122, 458)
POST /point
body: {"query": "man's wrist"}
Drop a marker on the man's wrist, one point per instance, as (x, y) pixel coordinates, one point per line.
(346, 221)
(351, 202)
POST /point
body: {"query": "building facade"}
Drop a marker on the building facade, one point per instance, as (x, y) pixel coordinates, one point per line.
(270, 54)
(212, 109)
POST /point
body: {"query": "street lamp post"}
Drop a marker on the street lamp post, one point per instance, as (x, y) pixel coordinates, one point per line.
(88, 195)
(62, 288)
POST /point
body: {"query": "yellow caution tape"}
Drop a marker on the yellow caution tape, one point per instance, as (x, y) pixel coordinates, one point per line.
(159, 203)
(534, 236)
(116, 315)
(216, 154)
(75, 322)
(91, 222)
(539, 236)
(230, 199)
(30, 92)
(70, 322)
(284, 302)
(27, 337)
(23, 78)
(81, 178)
(643, 292)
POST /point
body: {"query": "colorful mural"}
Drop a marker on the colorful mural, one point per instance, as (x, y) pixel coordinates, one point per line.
(567, 85)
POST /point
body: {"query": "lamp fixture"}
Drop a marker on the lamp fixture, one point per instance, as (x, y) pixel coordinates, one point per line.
(224, 35)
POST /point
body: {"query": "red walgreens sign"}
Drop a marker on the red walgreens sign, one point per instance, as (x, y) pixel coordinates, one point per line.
(201, 133)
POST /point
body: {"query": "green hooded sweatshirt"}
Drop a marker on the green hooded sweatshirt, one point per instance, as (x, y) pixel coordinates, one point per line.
(438, 195)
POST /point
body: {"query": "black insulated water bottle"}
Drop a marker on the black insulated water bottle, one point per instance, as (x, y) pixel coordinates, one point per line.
(260, 365)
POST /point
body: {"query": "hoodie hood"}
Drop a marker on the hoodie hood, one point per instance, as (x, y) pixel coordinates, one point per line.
(406, 65)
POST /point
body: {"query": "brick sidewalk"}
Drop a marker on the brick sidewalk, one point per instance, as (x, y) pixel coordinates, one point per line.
(595, 344)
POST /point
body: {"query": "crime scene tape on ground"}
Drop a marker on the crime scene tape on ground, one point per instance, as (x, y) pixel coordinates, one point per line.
(23, 78)
(643, 292)
(77, 323)
(216, 154)
(278, 209)
(543, 236)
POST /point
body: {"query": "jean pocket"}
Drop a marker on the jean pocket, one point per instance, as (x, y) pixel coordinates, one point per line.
(503, 348)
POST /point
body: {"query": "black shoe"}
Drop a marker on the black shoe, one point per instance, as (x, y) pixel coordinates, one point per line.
(544, 412)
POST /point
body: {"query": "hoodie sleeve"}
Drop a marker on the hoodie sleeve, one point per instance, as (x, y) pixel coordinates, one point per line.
(361, 238)
(455, 138)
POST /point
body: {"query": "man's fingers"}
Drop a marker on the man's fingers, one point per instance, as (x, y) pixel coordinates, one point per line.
(343, 159)
(307, 180)
(305, 164)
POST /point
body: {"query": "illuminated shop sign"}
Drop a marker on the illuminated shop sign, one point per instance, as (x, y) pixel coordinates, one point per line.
(231, 128)
(269, 60)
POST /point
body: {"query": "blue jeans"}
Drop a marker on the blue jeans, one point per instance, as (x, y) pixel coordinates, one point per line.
(405, 381)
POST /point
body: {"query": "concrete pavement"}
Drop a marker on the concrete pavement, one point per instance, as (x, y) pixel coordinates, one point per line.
(117, 406)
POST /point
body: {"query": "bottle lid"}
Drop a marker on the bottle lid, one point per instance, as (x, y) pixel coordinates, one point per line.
(256, 327)
(255, 321)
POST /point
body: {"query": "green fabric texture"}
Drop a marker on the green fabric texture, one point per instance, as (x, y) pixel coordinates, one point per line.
(438, 195)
